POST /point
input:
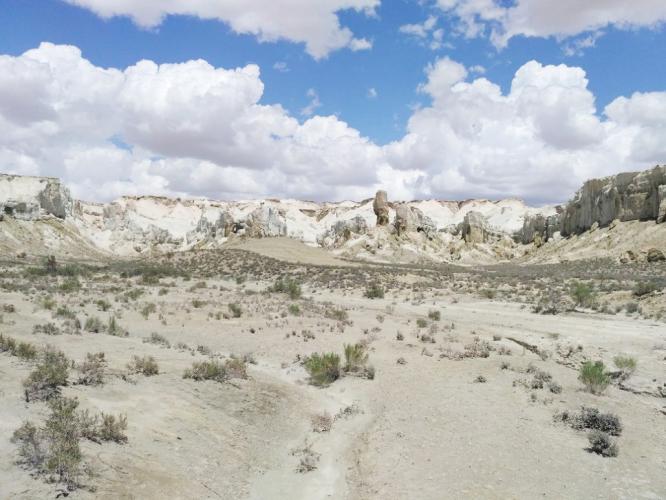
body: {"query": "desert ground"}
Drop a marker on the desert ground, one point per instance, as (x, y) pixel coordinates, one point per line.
(468, 391)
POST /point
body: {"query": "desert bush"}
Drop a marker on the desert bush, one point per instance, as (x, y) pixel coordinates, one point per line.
(488, 293)
(48, 376)
(156, 338)
(626, 364)
(146, 365)
(70, 285)
(65, 312)
(102, 305)
(593, 419)
(148, 309)
(61, 432)
(93, 369)
(236, 310)
(602, 444)
(30, 446)
(206, 370)
(8, 308)
(644, 288)
(94, 324)
(631, 307)
(46, 329)
(594, 376)
(355, 357)
(336, 314)
(582, 294)
(26, 351)
(236, 368)
(421, 323)
(288, 286)
(112, 428)
(324, 369)
(374, 291)
(198, 303)
(114, 328)
(480, 379)
(294, 310)
(434, 315)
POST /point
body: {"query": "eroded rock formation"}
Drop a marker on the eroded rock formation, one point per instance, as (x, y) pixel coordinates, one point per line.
(381, 208)
(627, 196)
(32, 198)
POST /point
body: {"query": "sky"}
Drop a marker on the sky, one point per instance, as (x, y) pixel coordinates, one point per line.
(331, 99)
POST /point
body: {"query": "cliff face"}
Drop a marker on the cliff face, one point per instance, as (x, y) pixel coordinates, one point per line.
(627, 196)
(33, 198)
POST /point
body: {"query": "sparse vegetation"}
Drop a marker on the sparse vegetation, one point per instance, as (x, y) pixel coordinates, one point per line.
(48, 376)
(93, 369)
(594, 376)
(374, 291)
(145, 365)
(324, 369)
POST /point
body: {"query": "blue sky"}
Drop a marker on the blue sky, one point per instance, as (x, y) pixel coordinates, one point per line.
(375, 90)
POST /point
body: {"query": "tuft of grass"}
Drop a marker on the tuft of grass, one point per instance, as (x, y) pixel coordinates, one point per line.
(114, 328)
(148, 309)
(355, 358)
(627, 364)
(434, 315)
(94, 325)
(644, 288)
(324, 369)
(206, 370)
(594, 376)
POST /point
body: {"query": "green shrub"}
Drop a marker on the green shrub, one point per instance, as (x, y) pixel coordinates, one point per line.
(594, 376)
(434, 315)
(582, 294)
(355, 357)
(236, 310)
(30, 446)
(61, 431)
(644, 288)
(146, 366)
(102, 305)
(26, 351)
(288, 286)
(627, 364)
(70, 285)
(374, 291)
(94, 324)
(294, 309)
(113, 428)
(421, 323)
(324, 369)
(148, 309)
(49, 375)
(631, 307)
(113, 328)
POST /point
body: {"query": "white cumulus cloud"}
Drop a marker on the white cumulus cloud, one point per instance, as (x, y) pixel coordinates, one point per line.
(313, 22)
(192, 129)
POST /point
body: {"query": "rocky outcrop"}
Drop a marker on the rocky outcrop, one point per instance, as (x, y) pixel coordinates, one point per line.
(265, 221)
(33, 198)
(627, 196)
(538, 229)
(474, 228)
(342, 231)
(381, 208)
(410, 219)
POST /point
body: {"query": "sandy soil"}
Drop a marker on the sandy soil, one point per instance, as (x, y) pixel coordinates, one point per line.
(423, 428)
